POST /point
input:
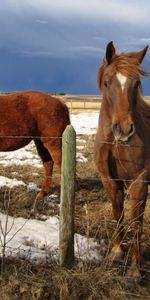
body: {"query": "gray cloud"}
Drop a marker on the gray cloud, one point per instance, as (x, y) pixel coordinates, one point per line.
(72, 33)
(67, 27)
(129, 11)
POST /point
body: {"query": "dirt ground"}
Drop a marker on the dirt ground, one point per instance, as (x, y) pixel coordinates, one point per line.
(93, 217)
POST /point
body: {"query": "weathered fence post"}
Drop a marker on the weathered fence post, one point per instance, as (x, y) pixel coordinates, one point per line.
(66, 230)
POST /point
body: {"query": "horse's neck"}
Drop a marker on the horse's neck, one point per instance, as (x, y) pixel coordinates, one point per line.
(142, 118)
(143, 108)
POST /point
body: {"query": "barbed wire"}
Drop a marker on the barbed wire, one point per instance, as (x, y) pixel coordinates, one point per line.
(58, 176)
(29, 137)
(44, 251)
(78, 177)
(115, 143)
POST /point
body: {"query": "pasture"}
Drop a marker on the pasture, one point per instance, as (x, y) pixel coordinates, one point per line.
(29, 265)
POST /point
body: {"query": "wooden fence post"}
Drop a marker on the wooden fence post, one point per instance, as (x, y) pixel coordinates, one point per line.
(68, 172)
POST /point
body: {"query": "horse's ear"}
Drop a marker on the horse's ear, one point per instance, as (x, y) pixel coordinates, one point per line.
(140, 55)
(110, 52)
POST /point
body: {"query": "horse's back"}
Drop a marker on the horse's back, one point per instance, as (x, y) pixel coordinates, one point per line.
(30, 104)
(27, 114)
(16, 125)
(50, 112)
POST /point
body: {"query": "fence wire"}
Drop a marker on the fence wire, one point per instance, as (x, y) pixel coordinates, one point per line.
(78, 177)
(29, 137)
(78, 158)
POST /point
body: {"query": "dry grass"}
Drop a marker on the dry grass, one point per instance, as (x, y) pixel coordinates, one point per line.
(93, 217)
(22, 280)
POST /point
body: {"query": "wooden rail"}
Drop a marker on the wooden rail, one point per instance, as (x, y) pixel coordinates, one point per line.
(86, 102)
(90, 102)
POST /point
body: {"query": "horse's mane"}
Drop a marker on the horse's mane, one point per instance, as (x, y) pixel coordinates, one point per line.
(124, 63)
(128, 66)
(143, 108)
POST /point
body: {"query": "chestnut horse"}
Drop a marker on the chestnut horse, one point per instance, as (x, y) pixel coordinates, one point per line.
(30, 115)
(122, 145)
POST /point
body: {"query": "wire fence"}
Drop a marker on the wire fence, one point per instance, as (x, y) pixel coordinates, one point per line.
(33, 137)
(88, 152)
(85, 154)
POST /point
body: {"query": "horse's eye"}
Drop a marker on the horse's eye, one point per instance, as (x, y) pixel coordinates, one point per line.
(107, 83)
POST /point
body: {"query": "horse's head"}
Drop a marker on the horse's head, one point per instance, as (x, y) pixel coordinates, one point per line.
(119, 80)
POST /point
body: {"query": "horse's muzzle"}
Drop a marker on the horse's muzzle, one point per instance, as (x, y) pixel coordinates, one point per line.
(120, 135)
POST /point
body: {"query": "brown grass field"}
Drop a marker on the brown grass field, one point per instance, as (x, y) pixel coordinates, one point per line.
(20, 279)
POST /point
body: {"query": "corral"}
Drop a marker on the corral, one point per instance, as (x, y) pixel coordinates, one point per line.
(90, 278)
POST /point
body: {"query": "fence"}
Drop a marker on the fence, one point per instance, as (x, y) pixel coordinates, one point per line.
(66, 228)
(66, 231)
(66, 242)
(85, 102)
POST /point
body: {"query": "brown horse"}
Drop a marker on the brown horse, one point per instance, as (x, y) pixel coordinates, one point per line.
(122, 145)
(30, 115)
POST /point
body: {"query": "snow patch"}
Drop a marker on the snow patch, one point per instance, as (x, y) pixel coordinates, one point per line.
(85, 123)
(10, 183)
(35, 240)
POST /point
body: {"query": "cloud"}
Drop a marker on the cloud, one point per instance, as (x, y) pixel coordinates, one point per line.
(139, 41)
(70, 52)
(36, 53)
(43, 22)
(129, 11)
(135, 43)
(69, 32)
(84, 50)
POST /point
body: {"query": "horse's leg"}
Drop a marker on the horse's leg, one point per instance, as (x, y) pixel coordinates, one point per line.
(48, 168)
(115, 191)
(116, 195)
(138, 194)
(54, 147)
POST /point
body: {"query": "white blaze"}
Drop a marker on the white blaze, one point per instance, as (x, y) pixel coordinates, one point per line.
(122, 79)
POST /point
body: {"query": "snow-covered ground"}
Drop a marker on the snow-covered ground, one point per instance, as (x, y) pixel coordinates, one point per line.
(32, 238)
(37, 240)
(85, 123)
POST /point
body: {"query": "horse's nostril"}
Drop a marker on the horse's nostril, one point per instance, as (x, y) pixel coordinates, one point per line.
(132, 129)
(116, 129)
(115, 126)
(123, 134)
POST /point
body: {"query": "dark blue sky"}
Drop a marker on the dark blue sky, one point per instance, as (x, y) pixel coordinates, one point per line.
(57, 46)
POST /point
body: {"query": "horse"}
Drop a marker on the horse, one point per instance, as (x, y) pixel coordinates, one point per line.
(122, 146)
(37, 116)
